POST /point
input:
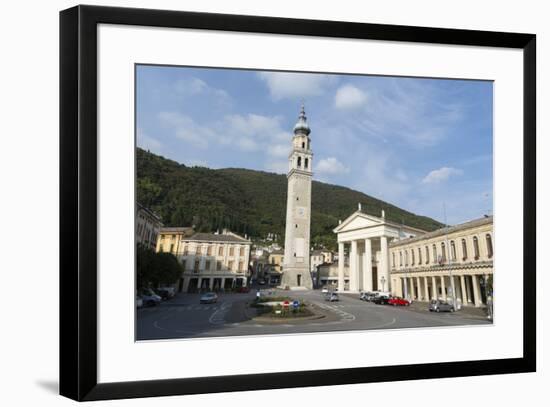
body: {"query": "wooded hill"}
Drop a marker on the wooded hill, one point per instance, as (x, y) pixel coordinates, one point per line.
(249, 202)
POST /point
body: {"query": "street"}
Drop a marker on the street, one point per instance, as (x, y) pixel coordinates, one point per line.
(184, 317)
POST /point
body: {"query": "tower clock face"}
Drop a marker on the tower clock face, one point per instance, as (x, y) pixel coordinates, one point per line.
(301, 211)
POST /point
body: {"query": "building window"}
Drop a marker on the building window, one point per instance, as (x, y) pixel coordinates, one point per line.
(218, 265)
(489, 245)
(209, 251)
(434, 249)
(406, 258)
(393, 260)
(400, 259)
(207, 265)
(198, 250)
(172, 248)
(412, 257)
(443, 253)
(183, 264)
(303, 144)
(464, 250)
(299, 162)
(230, 264)
(231, 251)
(220, 251)
(306, 163)
(427, 255)
(161, 248)
(419, 255)
(242, 251)
(196, 268)
(476, 248)
(241, 266)
(185, 250)
(453, 251)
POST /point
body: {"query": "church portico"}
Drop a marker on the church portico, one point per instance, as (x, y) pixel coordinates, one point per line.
(366, 238)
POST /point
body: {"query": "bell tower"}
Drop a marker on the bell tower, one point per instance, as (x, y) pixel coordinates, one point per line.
(296, 269)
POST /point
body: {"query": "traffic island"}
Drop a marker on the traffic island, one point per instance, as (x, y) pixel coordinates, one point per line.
(283, 310)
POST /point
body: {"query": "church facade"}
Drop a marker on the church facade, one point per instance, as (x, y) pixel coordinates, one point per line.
(296, 266)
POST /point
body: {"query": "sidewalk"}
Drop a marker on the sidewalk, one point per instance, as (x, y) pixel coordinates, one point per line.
(468, 311)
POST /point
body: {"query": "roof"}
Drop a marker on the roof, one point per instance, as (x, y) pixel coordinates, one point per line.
(447, 230)
(149, 212)
(378, 219)
(213, 237)
(185, 230)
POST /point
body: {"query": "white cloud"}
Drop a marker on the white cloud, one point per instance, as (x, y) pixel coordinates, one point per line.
(247, 133)
(148, 143)
(186, 129)
(349, 97)
(331, 166)
(192, 87)
(279, 167)
(295, 85)
(440, 175)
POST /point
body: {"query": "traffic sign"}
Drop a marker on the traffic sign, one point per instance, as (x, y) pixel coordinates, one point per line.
(296, 303)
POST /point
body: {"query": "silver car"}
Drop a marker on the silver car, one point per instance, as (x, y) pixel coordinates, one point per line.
(209, 298)
(441, 306)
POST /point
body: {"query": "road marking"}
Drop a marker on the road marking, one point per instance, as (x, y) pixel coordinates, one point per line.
(218, 317)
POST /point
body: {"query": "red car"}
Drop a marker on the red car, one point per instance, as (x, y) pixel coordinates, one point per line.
(395, 301)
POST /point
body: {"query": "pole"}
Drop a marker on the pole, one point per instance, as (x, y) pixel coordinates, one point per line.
(406, 265)
(450, 260)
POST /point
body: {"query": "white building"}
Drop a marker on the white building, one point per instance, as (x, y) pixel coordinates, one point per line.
(368, 237)
(296, 270)
(148, 226)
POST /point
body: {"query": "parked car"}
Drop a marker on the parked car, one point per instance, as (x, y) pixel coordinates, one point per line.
(324, 290)
(261, 281)
(331, 297)
(244, 289)
(139, 301)
(381, 299)
(209, 298)
(166, 292)
(395, 301)
(150, 298)
(441, 306)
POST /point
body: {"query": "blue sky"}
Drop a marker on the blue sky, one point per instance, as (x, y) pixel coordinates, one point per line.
(417, 143)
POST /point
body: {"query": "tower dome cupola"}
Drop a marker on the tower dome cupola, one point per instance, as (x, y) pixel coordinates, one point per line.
(301, 126)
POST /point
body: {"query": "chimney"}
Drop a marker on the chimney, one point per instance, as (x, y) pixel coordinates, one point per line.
(383, 214)
(339, 221)
(359, 206)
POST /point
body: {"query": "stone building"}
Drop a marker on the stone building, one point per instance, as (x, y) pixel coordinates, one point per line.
(366, 238)
(148, 226)
(275, 266)
(328, 275)
(455, 260)
(297, 273)
(211, 261)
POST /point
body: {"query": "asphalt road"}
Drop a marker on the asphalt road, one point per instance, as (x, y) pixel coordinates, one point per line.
(184, 317)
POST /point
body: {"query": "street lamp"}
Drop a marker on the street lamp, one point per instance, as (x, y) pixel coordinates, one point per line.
(382, 280)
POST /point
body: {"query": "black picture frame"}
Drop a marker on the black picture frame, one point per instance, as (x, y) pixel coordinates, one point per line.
(78, 201)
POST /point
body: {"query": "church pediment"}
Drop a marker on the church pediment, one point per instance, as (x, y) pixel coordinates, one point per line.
(358, 220)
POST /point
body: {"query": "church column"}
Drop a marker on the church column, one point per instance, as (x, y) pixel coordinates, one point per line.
(341, 261)
(434, 288)
(426, 291)
(367, 266)
(385, 271)
(353, 274)
(477, 295)
(411, 289)
(419, 289)
(443, 289)
(463, 290)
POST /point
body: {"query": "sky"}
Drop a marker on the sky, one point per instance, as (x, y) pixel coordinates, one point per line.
(425, 145)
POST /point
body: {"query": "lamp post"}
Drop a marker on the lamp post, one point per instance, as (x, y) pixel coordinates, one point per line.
(382, 280)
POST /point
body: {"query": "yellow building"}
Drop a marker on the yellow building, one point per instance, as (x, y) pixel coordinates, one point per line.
(211, 261)
(433, 265)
